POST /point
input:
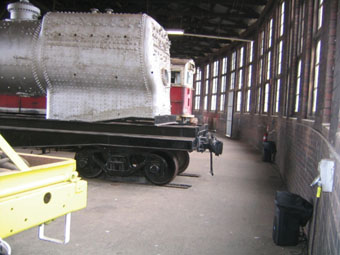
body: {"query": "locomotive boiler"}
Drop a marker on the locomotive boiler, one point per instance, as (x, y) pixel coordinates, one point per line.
(91, 66)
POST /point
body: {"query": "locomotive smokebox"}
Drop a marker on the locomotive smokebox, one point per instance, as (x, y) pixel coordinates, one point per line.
(91, 66)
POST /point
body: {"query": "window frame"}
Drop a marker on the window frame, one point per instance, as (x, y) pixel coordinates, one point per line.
(240, 66)
(215, 85)
(268, 59)
(313, 96)
(206, 87)
(223, 83)
(279, 58)
(198, 87)
(249, 76)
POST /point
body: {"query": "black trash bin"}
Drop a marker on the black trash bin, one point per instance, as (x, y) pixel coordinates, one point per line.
(269, 151)
(291, 212)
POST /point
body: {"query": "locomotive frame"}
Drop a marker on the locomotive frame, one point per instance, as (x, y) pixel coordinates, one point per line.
(117, 148)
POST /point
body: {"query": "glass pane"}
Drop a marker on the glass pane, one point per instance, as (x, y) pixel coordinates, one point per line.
(222, 102)
(206, 87)
(297, 95)
(277, 97)
(197, 102)
(315, 89)
(239, 101)
(266, 98)
(279, 66)
(198, 88)
(241, 57)
(282, 18)
(233, 61)
(213, 103)
(224, 65)
(206, 103)
(216, 68)
(198, 74)
(315, 95)
(317, 53)
(232, 81)
(262, 43)
(320, 14)
(248, 100)
(268, 65)
(189, 78)
(214, 88)
(260, 70)
(223, 85)
(251, 52)
(176, 77)
(270, 33)
(250, 70)
(240, 78)
(258, 99)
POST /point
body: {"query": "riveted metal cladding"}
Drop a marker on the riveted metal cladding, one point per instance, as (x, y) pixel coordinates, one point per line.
(92, 66)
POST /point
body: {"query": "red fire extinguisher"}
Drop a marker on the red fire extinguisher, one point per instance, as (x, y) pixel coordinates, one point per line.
(265, 136)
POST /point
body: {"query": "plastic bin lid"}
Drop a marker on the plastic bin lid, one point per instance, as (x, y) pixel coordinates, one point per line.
(294, 203)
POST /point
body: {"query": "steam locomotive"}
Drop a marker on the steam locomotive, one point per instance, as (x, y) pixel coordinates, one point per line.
(106, 80)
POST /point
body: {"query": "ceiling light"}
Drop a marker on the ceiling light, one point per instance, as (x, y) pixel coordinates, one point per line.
(175, 31)
(218, 37)
(181, 32)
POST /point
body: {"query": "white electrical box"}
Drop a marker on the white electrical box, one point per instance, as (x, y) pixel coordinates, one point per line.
(326, 169)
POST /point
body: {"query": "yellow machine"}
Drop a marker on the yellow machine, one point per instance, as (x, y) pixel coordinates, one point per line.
(40, 191)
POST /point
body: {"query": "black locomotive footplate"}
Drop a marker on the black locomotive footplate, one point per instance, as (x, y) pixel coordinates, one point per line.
(35, 132)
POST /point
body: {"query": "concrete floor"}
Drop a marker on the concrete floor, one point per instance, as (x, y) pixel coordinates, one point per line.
(229, 213)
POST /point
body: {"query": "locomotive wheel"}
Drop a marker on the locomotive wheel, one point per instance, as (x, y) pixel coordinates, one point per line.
(89, 164)
(183, 159)
(160, 168)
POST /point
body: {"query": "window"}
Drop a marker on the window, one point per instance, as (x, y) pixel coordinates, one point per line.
(299, 73)
(258, 105)
(316, 77)
(277, 96)
(269, 61)
(279, 58)
(260, 72)
(282, 19)
(266, 97)
(290, 49)
(214, 86)
(175, 77)
(301, 28)
(268, 58)
(189, 77)
(239, 79)
(249, 75)
(316, 57)
(198, 89)
(206, 90)
(320, 14)
(233, 71)
(298, 87)
(223, 83)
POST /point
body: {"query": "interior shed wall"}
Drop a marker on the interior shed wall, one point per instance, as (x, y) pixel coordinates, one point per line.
(301, 114)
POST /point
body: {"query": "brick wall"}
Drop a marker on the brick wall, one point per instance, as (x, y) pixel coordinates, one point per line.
(300, 148)
(302, 143)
